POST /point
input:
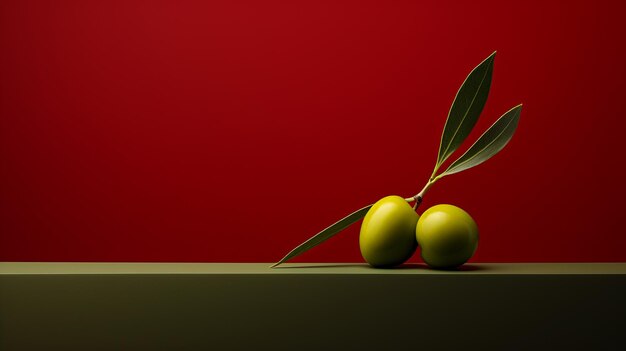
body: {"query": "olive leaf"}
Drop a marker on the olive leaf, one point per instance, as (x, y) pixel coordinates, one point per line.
(325, 234)
(489, 144)
(465, 110)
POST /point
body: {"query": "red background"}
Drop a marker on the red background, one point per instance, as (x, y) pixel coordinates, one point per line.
(234, 130)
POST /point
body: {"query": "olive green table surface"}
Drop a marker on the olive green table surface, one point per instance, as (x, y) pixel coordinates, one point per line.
(303, 268)
(303, 306)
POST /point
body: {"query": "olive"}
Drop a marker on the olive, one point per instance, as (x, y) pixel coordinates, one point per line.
(387, 234)
(447, 235)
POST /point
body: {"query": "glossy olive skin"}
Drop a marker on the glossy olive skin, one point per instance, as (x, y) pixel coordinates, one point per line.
(388, 232)
(447, 235)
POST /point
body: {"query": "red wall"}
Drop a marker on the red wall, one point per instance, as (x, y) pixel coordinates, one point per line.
(234, 130)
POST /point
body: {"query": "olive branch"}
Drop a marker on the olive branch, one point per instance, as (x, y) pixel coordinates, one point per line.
(462, 117)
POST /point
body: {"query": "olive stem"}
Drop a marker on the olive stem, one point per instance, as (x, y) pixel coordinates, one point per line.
(419, 196)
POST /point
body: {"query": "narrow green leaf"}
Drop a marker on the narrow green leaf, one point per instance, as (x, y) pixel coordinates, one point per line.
(465, 110)
(326, 234)
(489, 144)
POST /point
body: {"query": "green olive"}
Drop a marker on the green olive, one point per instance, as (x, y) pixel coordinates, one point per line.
(388, 232)
(447, 235)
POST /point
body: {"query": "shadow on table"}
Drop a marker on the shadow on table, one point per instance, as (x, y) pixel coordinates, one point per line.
(421, 266)
(463, 268)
